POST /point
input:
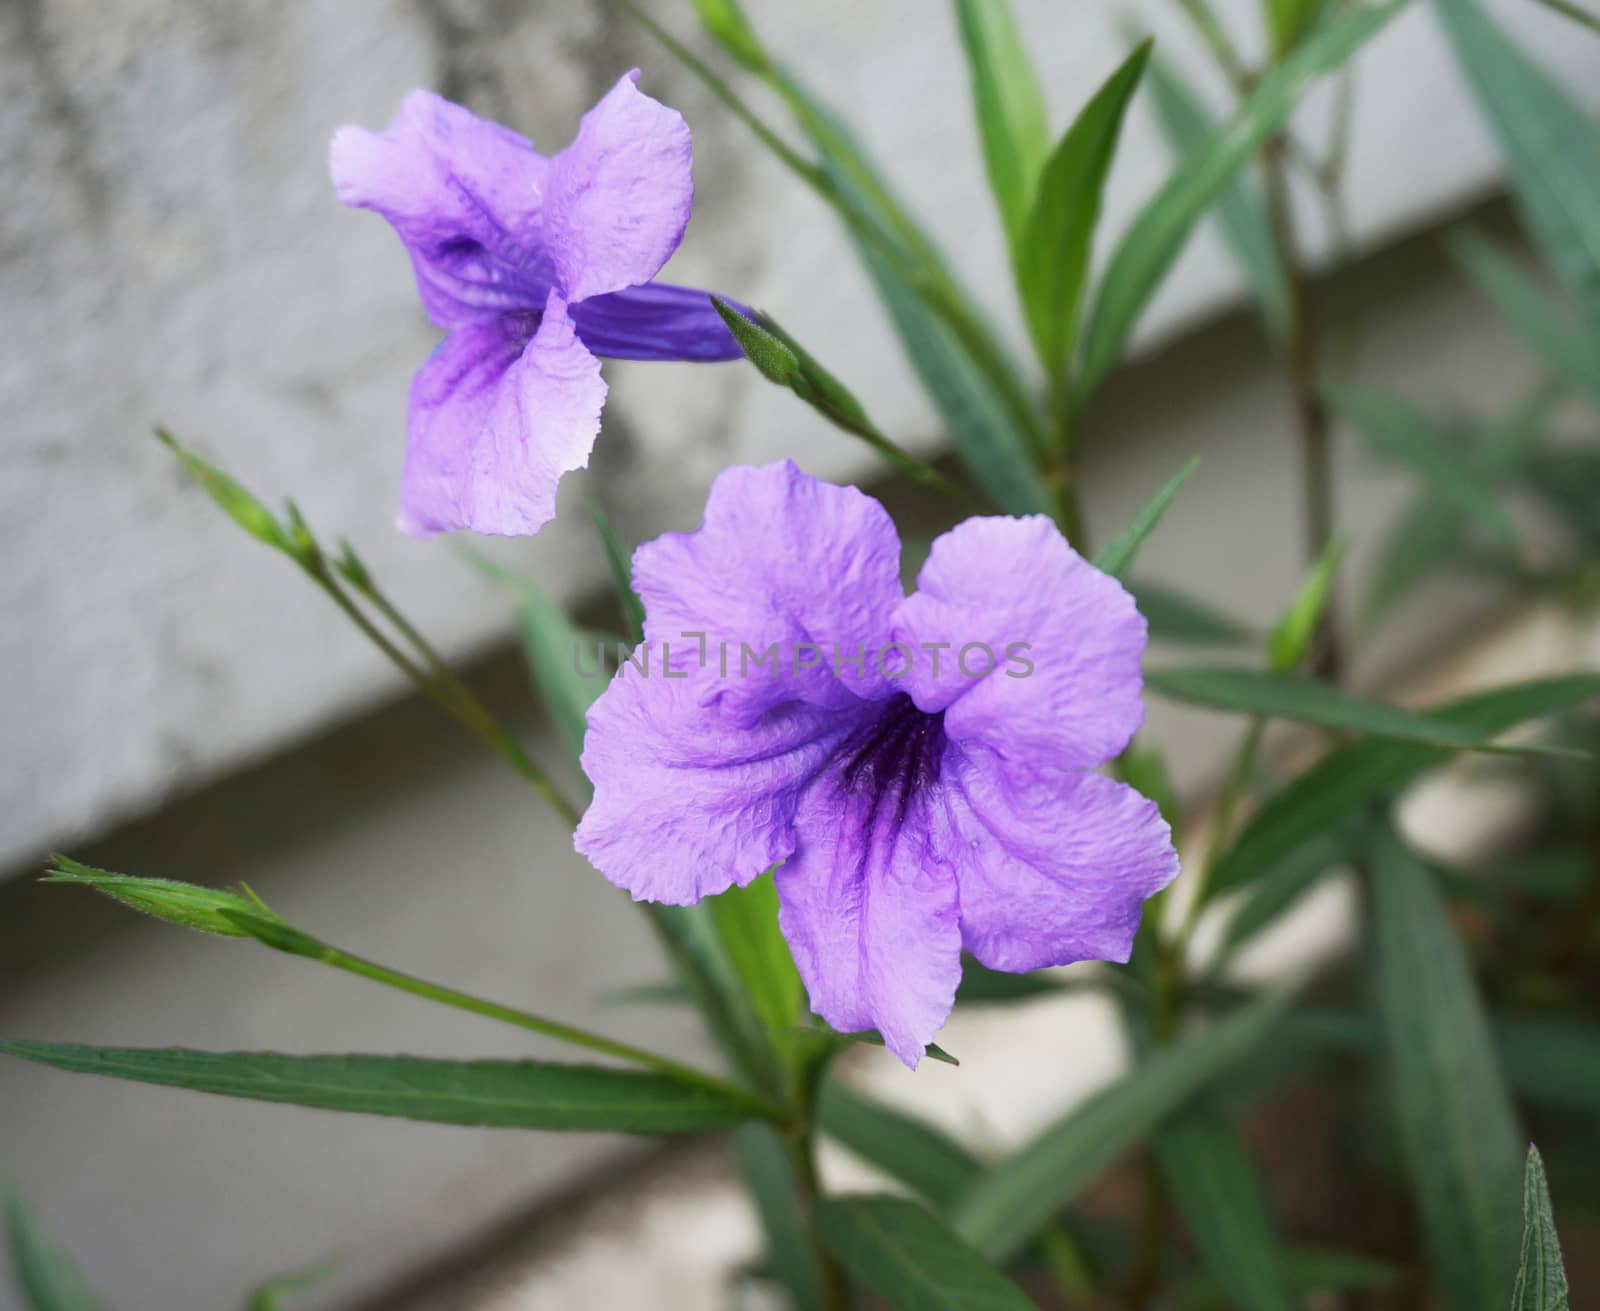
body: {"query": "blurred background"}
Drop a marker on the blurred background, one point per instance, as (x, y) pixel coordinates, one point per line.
(177, 702)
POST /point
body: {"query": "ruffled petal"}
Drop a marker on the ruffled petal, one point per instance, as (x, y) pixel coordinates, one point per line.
(658, 321)
(1040, 650)
(1051, 869)
(868, 905)
(684, 806)
(617, 200)
(792, 580)
(462, 193)
(496, 419)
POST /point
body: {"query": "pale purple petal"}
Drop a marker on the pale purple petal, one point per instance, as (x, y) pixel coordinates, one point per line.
(617, 200)
(1006, 594)
(494, 426)
(868, 905)
(462, 193)
(1052, 868)
(782, 563)
(685, 807)
(658, 321)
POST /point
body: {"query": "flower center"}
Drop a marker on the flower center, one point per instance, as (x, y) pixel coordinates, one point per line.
(895, 755)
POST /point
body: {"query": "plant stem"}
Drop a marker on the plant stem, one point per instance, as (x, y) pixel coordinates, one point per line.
(292, 941)
(443, 687)
(1061, 475)
(1217, 40)
(1311, 414)
(800, 1143)
(1233, 792)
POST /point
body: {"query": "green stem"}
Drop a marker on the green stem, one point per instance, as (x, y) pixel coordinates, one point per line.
(443, 687)
(1217, 41)
(1311, 413)
(800, 1143)
(286, 939)
(1234, 789)
(1576, 13)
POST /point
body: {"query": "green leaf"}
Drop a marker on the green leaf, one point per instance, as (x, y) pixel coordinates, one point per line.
(1550, 145)
(1349, 778)
(901, 1253)
(1426, 537)
(1577, 13)
(769, 1178)
(1458, 1132)
(1019, 1194)
(871, 1038)
(1184, 620)
(271, 1295)
(1400, 432)
(1240, 208)
(620, 561)
(1157, 237)
(1541, 1277)
(237, 503)
(45, 1275)
(1552, 1060)
(1568, 482)
(184, 904)
(554, 649)
(492, 1094)
(1305, 1270)
(1288, 21)
(727, 23)
(1218, 1193)
(1052, 257)
(923, 1158)
(1572, 351)
(1292, 635)
(1277, 891)
(1116, 557)
(1010, 107)
(747, 922)
(1311, 701)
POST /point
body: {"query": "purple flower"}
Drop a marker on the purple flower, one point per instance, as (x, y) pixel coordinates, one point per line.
(534, 266)
(917, 795)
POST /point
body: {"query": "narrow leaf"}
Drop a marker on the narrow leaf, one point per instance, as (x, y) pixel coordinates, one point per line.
(1541, 1276)
(1240, 208)
(1018, 1195)
(1009, 105)
(1289, 20)
(1425, 538)
(1157, 236)
(1292, 635)
(1409, 438)
(1219, 1195)
(769, 1177)
(1311, 701)
(1573, 351)
(1305, 1270)
(1052, 257)
(1279, 890)
(900, 1252)
(1347, 779)
(923, 1158)
(1118, 555)
(1550, 145)
(45, 1275)
(620, 562)
(1552, 1060)
(747, 922)
(275, 1293)
(494, 1094)
(1458, 1132)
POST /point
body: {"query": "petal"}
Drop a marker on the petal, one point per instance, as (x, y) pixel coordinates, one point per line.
(462, 193)
(617, 199)
(496, 422)
(685, 806)
(785, 565)
(868, 906)
(1052, 869)
(1041, 650)
(657, 321)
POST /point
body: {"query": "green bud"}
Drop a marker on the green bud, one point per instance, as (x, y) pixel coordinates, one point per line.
(1291, 637)
(726, 21)
(764, 349)
(185, 904)
(239, 505)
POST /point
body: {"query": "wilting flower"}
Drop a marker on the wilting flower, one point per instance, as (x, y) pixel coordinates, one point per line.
(916, 795)
(534, 266)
